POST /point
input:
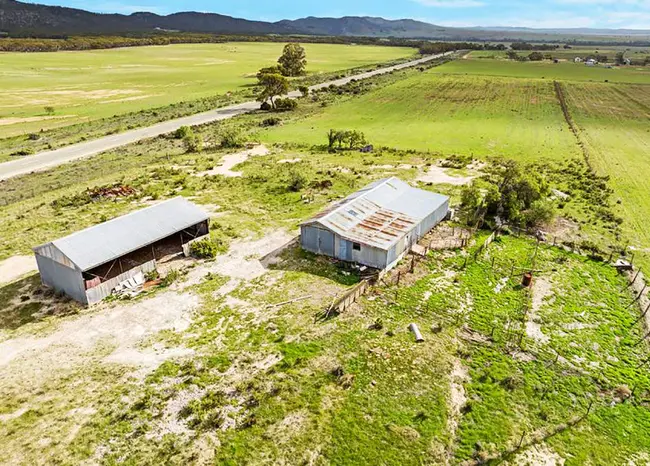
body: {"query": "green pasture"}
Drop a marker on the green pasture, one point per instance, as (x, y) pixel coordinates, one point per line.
(563, 71)
(636, 53)
(469, 115)
(614, 123)
(87, 85)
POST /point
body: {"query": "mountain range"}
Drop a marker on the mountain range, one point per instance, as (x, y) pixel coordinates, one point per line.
(20, 19)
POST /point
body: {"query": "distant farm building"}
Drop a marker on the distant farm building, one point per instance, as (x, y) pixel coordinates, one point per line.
(577, 60)
(90, 264)
(375, 226)
(591, 62)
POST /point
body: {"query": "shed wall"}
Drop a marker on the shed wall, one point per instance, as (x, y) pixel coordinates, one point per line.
(96, 294)
(317, 240)
(61, 278)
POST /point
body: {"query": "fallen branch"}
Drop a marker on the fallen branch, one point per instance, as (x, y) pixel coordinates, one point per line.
(302, 298)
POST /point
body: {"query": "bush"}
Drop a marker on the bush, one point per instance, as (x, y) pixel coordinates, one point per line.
(540, 213)
(183, 132)
(304, 90)
(170, 278)
(296, 182)
(205, 249)
(231, 138)
(285, 104)
(34, 137)
(193, 143)
(273, 121)
(265, 106)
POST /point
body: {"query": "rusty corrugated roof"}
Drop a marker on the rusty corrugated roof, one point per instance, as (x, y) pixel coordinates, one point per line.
(380, 214)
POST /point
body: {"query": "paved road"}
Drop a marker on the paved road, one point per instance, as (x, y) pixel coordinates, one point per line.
(49, 159)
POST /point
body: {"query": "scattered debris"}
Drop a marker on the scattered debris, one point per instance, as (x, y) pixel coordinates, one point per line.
(111, 191)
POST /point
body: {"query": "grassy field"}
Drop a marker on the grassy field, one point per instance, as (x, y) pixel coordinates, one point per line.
(94, 84)
(563, 71)
(215, 369)
(635, 53)
(469, 115)
(614, 124)
(352, 389)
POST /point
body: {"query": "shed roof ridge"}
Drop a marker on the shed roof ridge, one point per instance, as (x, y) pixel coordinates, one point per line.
(379, 184)
(97, 225)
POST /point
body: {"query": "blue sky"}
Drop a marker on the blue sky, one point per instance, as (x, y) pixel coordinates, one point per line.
(633, 14)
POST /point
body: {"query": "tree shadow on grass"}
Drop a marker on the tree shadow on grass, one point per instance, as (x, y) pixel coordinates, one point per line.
(26, 301)
(292, 258)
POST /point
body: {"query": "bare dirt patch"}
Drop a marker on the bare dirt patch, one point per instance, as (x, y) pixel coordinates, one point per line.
(440, 175)
(457, 399)
(538, 455)
(542, 289)
(122, 327)
(232, 160)
(243, 260)
(16, 267)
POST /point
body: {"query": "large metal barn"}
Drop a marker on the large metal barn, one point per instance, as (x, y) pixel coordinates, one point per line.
(90, 264)
(375, 226)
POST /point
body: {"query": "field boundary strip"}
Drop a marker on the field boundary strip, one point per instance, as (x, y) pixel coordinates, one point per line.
(559, 92)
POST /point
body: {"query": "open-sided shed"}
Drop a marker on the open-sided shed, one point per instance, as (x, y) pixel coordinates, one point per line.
(89, 264)
(376, 225)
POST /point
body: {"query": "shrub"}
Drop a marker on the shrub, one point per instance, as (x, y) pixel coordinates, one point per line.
(183, 132)
(193, 143)
(34, 137)
(296, 181)
(49, 110)
(170, 278)
(304, 90)
(265, 106)
(205, 249)
(285, 104)
(231, 138)
(273, 121)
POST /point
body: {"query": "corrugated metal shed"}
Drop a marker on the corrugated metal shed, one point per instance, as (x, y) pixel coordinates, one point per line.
(380, 214)
(107, 241)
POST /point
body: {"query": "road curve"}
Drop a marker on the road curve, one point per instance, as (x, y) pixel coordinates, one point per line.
(49, 159)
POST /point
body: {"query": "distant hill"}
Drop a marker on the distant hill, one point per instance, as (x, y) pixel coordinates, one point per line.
(18, 18)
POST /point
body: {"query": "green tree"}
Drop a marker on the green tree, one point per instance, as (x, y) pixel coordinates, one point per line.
(331, 138)
(267, 70)
(273, 85)
(293, 60)
(536, 56)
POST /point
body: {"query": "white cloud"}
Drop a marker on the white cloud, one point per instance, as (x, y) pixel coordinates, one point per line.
(451, 3)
